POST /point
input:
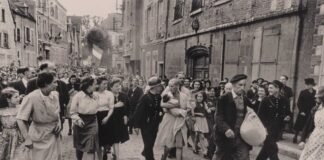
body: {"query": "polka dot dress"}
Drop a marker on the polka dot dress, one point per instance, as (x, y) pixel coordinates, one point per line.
(314, 149)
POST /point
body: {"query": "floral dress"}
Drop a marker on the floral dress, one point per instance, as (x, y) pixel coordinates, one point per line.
(314, 148)
(10, 138)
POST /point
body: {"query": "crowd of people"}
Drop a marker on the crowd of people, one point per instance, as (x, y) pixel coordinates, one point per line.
(103, 110)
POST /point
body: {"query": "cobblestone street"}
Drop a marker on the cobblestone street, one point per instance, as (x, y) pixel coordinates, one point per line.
(132, 149)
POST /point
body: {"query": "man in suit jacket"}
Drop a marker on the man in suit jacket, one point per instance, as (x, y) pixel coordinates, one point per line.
(134, 96)
(231, 112)
(21, 85)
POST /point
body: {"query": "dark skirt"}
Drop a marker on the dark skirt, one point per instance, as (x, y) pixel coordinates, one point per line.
(116, 129)
(86, 139)
(103, 129)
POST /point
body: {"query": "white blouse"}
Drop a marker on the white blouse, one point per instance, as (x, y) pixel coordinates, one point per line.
(83, 104)
(105, 100)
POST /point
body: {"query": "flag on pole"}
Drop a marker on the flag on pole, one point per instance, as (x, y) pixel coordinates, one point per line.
(97, 52)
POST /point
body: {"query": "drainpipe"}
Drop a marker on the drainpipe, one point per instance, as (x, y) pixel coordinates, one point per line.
(166, 36)
(298, 48)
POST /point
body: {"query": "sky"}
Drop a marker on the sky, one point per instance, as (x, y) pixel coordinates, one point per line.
(90, 7)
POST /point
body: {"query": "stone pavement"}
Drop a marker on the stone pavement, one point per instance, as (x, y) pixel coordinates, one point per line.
(131, 150)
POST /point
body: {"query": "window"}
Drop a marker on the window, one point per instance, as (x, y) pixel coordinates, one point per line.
(196, 4)
(0, 39)
(56, 12)
(3, 13)
(178, 9)
(5, 40)
(27, 34)
(18, 35)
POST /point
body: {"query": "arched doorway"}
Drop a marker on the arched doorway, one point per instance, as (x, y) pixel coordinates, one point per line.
(198, 62)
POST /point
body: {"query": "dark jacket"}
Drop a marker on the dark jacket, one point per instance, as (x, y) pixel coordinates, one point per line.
(306, 101)
(134, 97)
(31, 85)
(19, 86)
(148, 111)
(272, 114)
(226, 119)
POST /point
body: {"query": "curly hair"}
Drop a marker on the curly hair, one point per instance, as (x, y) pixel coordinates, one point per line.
(6, 94)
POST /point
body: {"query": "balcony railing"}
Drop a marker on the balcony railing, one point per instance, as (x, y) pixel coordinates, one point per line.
(196, 4)
(178, 10)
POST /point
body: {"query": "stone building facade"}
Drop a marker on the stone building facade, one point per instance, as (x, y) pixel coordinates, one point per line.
(25, 32)
(52, 31)
(133, 32)
(8, 53)
(214, 39)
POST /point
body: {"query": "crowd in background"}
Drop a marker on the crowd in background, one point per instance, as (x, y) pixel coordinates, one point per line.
(102, 110)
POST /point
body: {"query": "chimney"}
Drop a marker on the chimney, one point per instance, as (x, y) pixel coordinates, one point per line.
(25, 8)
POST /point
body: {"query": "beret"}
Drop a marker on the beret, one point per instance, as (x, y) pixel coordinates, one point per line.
(277, 84)
(238, 77)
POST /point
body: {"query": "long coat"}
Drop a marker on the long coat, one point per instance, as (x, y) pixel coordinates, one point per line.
(226, 118)
(306, 101)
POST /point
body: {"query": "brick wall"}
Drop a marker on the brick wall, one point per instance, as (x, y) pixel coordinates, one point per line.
(232, 11)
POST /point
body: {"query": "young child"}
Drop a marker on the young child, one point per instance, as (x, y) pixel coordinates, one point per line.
(199, 112)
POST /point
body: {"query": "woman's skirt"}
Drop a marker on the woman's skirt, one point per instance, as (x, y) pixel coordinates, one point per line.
(103, 128)
(86, 139)
(201, 125)
(165, 133)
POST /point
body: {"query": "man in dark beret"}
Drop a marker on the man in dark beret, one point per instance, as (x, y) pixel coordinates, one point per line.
(306, 101)
(274, 112)
(232, 108)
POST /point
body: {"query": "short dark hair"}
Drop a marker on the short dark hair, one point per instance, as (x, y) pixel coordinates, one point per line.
(6, 94)
(199, 81)
(86, 83)
(101, 79)
(44, 79)
(22, 70)
(43, 66)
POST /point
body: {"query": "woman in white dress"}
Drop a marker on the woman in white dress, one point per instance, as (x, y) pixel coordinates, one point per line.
(314, 148)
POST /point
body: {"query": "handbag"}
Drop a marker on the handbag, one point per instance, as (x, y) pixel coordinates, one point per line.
(252, 130)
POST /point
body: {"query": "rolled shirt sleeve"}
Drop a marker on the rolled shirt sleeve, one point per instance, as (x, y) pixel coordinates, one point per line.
(74, 107)
(25, 110)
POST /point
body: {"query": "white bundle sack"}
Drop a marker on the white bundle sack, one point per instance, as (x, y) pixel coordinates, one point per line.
(252, 130)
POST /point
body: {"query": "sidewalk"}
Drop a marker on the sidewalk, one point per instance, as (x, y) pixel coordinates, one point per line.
(288, 148)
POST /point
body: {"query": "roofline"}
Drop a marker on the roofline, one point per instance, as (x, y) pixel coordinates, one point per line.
(61, 5)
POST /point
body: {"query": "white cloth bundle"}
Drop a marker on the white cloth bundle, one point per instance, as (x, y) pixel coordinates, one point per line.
(252, 130)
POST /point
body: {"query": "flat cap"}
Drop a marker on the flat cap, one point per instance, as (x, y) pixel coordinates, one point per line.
(238, 77)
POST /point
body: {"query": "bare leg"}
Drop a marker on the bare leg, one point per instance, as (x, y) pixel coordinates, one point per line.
(116, 150)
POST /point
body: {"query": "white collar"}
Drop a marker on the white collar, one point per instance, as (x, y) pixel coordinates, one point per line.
(234, 94)
(25, 81)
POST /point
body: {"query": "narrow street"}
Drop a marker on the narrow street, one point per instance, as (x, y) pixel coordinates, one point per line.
(132, 149)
